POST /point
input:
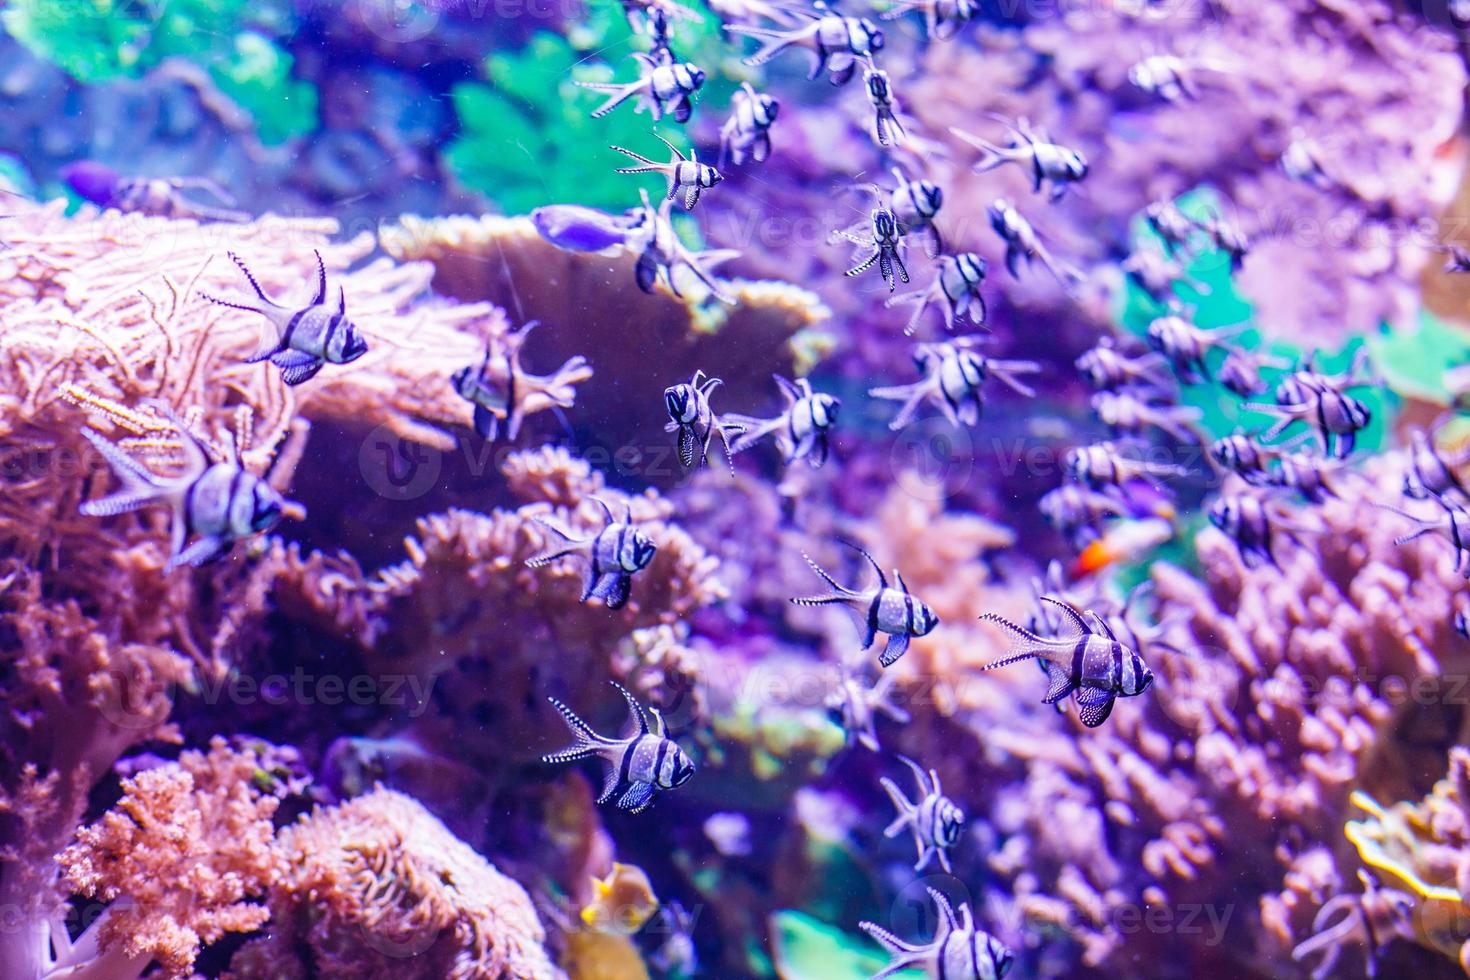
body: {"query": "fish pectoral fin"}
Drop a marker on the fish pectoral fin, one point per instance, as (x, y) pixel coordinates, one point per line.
(612, 588)
(487, 423)
(687, 445)
(609, 784)
(898, 645)
(1095, 713)
(1061, 682)
(637, 798)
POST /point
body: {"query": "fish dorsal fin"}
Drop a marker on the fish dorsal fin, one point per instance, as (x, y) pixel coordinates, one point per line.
(1072, 615)
(672, 148)
(196, 453)
(1096, 624)
(635, 710)
(342, 300)
(321, 280)
(902, 585)
(882, 579)
(660, 727)
(946, 912)
(791, 391)
(606, 510)
(919, 778)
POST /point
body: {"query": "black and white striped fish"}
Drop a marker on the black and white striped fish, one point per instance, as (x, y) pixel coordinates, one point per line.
(1252, 523)
(1049, 163)
(880, 243)
(662, 88)
(690, 415)
(662, 252)
(942, 18)
(1132, 411)
(887, 127)
(1023, 244)
(1335, 416)
(1103, 464)
(1452, 521)
(1088, 662)
(686, 176)
(1429, 472)
(935, 820)
(958, 283)
(306, 338)
(1078, 512)
(1186, 345)
(855, 707)
(1240, 372)
(645, 761)
(915, 204)
(802, 431)
(747, 132)
(1173, 226)
(959, 951)
(896, 612)
(834, 42)
(613, 555)
(1108, 368)
(221, 502)
(954, 381)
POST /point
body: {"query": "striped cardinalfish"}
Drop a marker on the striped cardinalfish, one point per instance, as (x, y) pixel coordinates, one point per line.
(1452, 521)
(645, 761)
(834, 42)
(686, 175)
(959, 951)
(958, 284)
(613, 555)
(690, 415)
(802, 431)
(935, 820)
(662, 88)
(1087, 661)
(306, 337)
(1048, 162)
(896, 612)
(221, 502)
(954, 382)
(747, 133)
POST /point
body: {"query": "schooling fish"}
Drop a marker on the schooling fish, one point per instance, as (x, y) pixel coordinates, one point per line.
(834, 42)
(1133, 412)
(157, 196)
(1431, 474)
(1227, 238)
(1110, 369)
(221, 502)
(614, 554)
(1244, 456)
(958, 283)
(1453, 521)
(1104, 465)
(1251, 522)
(661, 251)
(1240, 372)
(1022, 243)
(1089, 662)
(1048, 162)
(1171, 77)
(502, 391)
(915, 204)
(887, 129)
(802, 431)
(686, 175)
(307, 338)
(954, 378)
(1335, 416)
(959, 951)
(747, 133)
(1309, 475)
(1186, 345)
(856, 708)
(942, 18)
(690, 415)
(935, 820)
(1156, 273)
(660, 88)
(881, 244)
(1173, 226)
(638, 765)
(896, 612)
(1078, 512)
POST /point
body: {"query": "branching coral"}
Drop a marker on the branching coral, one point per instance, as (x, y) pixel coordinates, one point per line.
(378, 889)
(178, 859)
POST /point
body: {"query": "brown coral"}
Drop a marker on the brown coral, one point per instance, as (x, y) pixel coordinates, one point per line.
(378, 889)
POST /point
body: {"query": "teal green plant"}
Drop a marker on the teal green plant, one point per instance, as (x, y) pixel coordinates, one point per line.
(99, 40)
(809, 949)
(527, 137)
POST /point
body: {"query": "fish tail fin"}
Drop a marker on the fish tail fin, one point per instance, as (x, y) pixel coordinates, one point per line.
(139, 485)
(773, 42)
(1024, 643)
(903, 954)
(586, 743)
(1006, 371)
(906, 810)
(992, 156)
(649, 166)
(754, 430)
(561, 548)
(618, 94)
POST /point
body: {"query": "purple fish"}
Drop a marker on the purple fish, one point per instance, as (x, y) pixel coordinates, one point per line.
(582, 229)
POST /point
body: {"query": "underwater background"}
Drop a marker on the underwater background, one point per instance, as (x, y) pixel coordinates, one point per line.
(1066, 577)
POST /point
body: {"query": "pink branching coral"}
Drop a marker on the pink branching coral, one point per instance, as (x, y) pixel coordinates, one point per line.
(178, 859)
(1279, 694)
